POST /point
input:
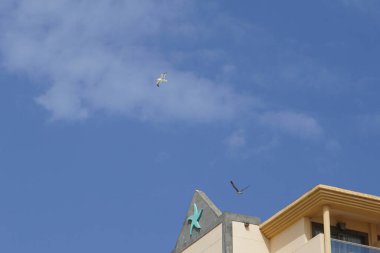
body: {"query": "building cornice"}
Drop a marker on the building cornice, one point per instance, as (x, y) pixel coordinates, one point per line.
(312, 202)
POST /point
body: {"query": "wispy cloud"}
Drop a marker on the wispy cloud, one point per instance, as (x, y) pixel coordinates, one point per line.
(236, 140)
(333, 147)
(104, 56)
(293, 70)
(368, 7)
(364, 5)
(244, 144)
(296, 124)
(369, 124)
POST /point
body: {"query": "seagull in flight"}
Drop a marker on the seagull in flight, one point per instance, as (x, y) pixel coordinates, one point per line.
(161, 79)
(237, 189)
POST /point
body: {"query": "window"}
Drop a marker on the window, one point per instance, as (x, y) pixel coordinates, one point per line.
(344, 235)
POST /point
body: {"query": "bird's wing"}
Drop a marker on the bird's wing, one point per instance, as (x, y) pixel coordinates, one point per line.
(245, 188)
(234, 186)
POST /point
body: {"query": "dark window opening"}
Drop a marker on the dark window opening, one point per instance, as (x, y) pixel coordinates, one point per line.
(343, 235)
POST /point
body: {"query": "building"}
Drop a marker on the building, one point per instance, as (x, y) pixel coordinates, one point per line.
(324, 220)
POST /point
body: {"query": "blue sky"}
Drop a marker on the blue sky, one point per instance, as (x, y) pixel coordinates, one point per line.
(280, 95)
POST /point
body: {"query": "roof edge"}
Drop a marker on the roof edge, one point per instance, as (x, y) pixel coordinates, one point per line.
(209, 202)
(314, 198)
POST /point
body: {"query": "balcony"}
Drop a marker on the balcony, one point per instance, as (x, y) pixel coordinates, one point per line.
(338, 246)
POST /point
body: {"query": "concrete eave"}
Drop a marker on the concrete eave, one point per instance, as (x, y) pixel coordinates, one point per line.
(312, 201)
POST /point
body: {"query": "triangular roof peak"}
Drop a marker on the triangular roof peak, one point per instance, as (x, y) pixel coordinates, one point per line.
(208, 217)
(203, 211)
(208, 201)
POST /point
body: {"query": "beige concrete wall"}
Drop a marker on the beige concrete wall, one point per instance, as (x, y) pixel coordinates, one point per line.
(248, 239)
(292, 238)
(209, 243)
(315, 245)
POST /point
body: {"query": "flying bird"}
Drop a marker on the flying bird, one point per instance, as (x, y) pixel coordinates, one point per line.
(161, 79)
(237, 189)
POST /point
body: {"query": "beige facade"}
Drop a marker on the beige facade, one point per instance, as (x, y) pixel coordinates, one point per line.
(248, 238)
(314, 245)
(324, 220)
(291, 238)
(210, 243)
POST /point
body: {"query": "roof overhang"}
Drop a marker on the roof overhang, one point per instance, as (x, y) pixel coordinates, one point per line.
(311, 203)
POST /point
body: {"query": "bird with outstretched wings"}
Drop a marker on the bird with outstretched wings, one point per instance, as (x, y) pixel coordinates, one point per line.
(237, 189)
(161, 79)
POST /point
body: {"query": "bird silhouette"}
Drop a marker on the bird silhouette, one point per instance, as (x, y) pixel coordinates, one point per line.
(237, 189)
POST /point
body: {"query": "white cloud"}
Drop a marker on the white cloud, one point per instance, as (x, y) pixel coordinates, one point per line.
(265, 147)
(367, 7)
(104, 56)
(292, 123)
(236, 140)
